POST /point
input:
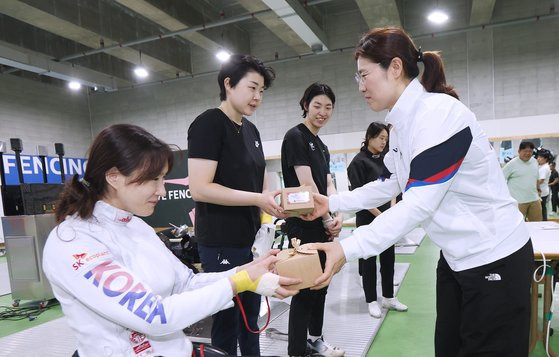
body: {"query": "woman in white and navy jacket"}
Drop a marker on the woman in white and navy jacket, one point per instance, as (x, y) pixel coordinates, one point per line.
(453, 187)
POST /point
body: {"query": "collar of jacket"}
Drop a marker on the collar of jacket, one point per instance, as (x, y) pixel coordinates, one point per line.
(405, 106)
(105, 212)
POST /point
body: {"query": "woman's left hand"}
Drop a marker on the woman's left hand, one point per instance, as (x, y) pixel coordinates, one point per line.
(335, 260)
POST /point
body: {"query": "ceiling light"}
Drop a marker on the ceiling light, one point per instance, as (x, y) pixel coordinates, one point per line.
(437, 17)
(73, 85)
(223, 55)
(141, 72)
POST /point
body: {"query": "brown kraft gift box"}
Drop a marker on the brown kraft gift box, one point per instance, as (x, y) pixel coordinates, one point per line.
(296, 201)
(299, 263)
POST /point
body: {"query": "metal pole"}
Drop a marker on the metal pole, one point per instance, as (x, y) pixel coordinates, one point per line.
(44, 164)
(219, 23)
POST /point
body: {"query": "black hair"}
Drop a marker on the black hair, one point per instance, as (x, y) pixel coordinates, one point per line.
(312, 91)
(122, 146)
(237, 67)
(526, 144)
(373, 130)
(382, 45)
(546, 154)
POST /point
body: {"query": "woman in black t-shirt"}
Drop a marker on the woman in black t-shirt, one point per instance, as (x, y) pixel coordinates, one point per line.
(228, 182)
(368, 166)
(305, 160)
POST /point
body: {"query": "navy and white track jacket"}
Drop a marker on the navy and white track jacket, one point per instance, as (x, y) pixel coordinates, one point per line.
(451, 181)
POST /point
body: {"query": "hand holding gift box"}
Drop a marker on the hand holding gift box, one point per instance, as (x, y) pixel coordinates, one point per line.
(301, 263)
(297, 201)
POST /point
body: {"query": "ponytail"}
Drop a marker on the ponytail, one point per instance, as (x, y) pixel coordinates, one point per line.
(433, 78)
(78, 197)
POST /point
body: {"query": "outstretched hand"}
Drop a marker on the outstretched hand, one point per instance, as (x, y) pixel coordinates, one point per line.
(321, 207)
(335, 260)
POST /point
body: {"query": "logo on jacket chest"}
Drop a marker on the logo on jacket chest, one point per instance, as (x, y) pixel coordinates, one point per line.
(311, 144)
(397, 151)
(256, 143)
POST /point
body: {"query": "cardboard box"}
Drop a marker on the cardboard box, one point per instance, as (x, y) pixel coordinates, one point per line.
(296, 201)
(303, 264)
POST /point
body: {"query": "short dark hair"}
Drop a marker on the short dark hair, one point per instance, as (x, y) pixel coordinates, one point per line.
(526, 144)
(237, 67)
(373, 130)
(125, 147)
(546, 154)
(312, 91)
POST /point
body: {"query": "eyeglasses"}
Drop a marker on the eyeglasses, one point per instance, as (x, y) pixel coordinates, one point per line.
(360, 78)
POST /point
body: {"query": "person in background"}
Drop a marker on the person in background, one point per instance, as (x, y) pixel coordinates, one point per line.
(227, 174)
(122, 291)
(452, 187)
(305, 160)
(554, 187)
(367, 166)
(544, 172)
(521, 175)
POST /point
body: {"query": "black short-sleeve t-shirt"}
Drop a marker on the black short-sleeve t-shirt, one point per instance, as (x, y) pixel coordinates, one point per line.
(552, 177)
(240, 166)
(300, 147)
(364, 168)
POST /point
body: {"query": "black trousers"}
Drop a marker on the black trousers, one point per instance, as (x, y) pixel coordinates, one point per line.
(368, 272)
(485, 311)
(307, 308)
(228, 326)
(554, 198)
(544, 207)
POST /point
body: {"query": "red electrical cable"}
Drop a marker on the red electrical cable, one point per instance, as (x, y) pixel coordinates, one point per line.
(245, 316)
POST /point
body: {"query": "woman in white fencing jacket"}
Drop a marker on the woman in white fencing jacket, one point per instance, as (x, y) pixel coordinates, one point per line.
(122, 291)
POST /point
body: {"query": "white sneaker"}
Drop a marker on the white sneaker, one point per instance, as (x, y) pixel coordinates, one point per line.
(393, 304)
(323, 348)
(374, 310)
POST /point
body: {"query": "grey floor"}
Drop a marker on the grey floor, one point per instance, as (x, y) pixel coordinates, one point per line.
(51, 339)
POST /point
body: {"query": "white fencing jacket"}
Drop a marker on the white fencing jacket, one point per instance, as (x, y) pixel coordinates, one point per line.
(122, 291)
(452, 185)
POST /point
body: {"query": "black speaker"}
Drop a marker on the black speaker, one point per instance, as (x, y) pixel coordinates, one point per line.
(16, 144)
(30, 199)
(59, 148)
